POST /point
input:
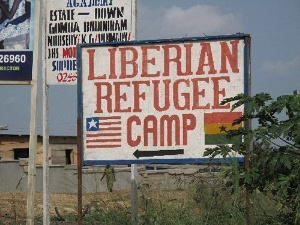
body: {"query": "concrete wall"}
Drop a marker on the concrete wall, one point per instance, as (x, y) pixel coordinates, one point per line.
(63, 179)
(11, 173)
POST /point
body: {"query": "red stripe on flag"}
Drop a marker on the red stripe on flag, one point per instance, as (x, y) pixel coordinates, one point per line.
(110, 128)
(103, 134)
(103, 140)
(109, 123)
(103, 146)
(221, 117)
(110, 118)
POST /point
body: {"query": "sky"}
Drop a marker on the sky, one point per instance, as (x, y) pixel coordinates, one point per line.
(275, 52)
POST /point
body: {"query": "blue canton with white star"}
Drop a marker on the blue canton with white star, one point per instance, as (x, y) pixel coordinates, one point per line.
(92, 124)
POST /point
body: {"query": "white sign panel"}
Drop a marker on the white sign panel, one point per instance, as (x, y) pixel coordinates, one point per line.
(71, 22)
(159, 101)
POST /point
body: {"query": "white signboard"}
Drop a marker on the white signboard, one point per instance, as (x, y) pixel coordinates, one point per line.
(159, 101)
(71, 22)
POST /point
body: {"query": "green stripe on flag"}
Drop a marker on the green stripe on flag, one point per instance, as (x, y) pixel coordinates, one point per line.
(218, 139)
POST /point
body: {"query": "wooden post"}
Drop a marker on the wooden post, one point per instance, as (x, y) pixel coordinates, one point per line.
(79, 171)
(36, 68)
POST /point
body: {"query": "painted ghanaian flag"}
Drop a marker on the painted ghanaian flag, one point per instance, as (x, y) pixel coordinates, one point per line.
(216, 125)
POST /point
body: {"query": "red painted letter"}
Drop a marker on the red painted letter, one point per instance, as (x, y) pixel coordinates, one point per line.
(125, 62)
(218, 92)
(197, 93)
(148, 129)
(119, 96)
(147, 61)
(137, 96)
(206, 51)
(232, 57)
(101, 96)
(168, 60)
(130, 141)
(186, 96)
(189, 123)
(112, 53)
(158, 92)
(91, 76)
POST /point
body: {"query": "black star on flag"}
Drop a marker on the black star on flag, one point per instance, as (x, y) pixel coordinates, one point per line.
(222, 128)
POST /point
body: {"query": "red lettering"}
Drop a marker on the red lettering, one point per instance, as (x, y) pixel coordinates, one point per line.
(176, 59)
(218, 92)
(168, 120)
(137, 95)
(91, 53)
(102, 96)
(124, 62)
(146, 61)
(148, 129)
(91, 76)
(130, 141)
(186, 96)
(206, 51)
(170, 129)
(232, 57)
(119, 96)
(70, 52)
(188, 60)
(112, 54)
(189, 123)
(197, 93)
(158, 92)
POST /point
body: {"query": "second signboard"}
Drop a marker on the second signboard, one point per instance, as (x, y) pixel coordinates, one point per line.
(159, 101)
(74, 22)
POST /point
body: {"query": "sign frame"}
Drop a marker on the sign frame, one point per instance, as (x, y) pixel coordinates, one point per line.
(201, 160)
(17, 64)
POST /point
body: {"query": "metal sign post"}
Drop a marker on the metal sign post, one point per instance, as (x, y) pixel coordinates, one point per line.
(134, 195)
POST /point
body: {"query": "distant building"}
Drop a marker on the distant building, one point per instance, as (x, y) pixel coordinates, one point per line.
(63, 149)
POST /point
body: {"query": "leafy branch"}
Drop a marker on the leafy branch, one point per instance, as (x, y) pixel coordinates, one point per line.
(275, 151)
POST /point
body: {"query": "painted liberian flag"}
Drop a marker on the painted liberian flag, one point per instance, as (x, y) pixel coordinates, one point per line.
(103, 132)
(216, 125)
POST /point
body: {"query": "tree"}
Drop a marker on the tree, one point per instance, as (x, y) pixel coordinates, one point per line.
(274, 150)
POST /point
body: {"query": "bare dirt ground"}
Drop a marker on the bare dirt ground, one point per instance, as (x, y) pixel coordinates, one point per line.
(13, 204)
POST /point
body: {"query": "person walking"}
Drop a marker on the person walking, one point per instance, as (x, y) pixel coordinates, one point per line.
(109, 173)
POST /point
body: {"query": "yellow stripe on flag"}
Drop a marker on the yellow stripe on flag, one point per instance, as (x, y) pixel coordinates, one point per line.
(219, 128)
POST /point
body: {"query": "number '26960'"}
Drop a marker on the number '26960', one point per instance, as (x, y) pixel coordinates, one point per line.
(11, 58)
